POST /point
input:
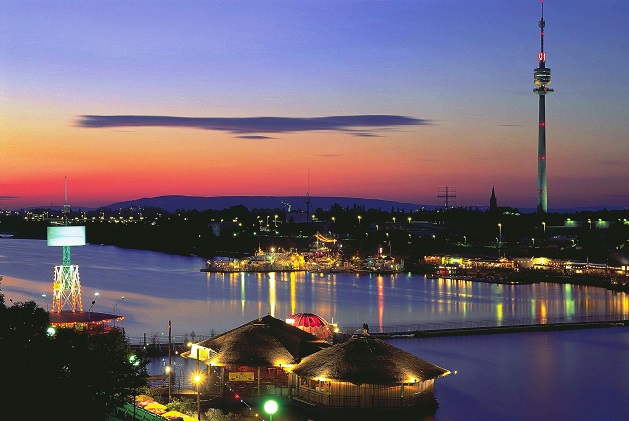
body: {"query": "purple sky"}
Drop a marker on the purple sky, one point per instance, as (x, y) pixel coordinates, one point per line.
(443, 88)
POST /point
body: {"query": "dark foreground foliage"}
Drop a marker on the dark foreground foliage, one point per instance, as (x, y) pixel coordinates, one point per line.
(71, 375)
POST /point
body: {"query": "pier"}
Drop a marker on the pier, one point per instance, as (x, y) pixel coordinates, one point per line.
(156, 346)
(484, 327)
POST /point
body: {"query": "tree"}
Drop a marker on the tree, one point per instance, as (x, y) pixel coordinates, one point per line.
(71, 375)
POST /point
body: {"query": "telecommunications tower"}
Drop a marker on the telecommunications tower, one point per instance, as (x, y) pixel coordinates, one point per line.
(66, 284)
(542, 80)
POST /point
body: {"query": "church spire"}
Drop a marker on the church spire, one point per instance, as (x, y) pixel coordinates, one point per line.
(493, 202)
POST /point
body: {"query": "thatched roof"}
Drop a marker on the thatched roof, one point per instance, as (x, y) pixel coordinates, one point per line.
(261, 342)
(367, 360)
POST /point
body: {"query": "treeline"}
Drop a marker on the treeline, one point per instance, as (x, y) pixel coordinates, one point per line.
(411, 235)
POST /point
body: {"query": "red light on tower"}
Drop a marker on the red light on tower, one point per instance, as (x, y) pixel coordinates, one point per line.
(541, 55)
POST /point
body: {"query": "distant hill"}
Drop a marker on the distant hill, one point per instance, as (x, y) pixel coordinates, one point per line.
(172, 203)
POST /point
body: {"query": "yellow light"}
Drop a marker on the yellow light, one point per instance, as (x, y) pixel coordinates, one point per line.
(197, 378)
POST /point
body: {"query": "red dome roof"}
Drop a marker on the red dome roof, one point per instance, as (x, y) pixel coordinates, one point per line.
(308, 320)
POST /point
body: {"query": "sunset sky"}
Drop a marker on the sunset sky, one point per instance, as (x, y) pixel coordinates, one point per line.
(372, 99)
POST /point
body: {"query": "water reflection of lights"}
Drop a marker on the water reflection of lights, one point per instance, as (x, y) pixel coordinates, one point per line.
(380, 283)
(272, 294)
(293, 293)
(409, 299)
(243, 299)
(569, 301)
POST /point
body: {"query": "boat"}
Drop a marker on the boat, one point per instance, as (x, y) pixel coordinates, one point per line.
(263, 261)
(381, 265)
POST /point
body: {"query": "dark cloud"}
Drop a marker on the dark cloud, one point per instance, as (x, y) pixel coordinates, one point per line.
(616, 195)
(362, 134)
(255, 137)
(253, 124)
(8, 197)
(509, 125)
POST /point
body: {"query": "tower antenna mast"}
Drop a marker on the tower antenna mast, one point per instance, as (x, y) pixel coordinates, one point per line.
(541, 78)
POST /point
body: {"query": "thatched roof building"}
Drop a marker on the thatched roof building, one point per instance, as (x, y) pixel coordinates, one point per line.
(365, 372)
(365, 359)
(263, 342)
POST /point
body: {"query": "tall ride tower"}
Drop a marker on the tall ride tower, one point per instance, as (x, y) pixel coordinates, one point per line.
(66, 290)
(542, 80)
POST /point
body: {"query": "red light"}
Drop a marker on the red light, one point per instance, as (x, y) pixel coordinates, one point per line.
(542, 124)
(237, 396)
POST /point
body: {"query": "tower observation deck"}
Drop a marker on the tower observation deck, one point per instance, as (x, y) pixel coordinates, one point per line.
(541, 78)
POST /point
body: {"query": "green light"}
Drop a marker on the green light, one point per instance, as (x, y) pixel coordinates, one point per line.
(51, 331)
(270, 407)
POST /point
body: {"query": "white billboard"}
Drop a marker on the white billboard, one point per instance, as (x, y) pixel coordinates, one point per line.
(66, 236)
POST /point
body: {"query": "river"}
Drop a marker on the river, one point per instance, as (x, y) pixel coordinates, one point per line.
(574, 375)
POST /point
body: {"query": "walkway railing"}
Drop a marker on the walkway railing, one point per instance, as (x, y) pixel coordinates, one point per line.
(180, 341)
(475, 324)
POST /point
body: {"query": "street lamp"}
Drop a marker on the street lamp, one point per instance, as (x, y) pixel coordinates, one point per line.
(167, 370)
(499, 238)
(359, 218)
(544, 225)
(275, 220)
(89, 313)
(116, 305)
(197, 380)
(409, 219)
(270, 407)
(135, 361)
(44, 297)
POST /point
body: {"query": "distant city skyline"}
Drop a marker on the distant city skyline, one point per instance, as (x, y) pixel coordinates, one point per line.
(372, 99)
